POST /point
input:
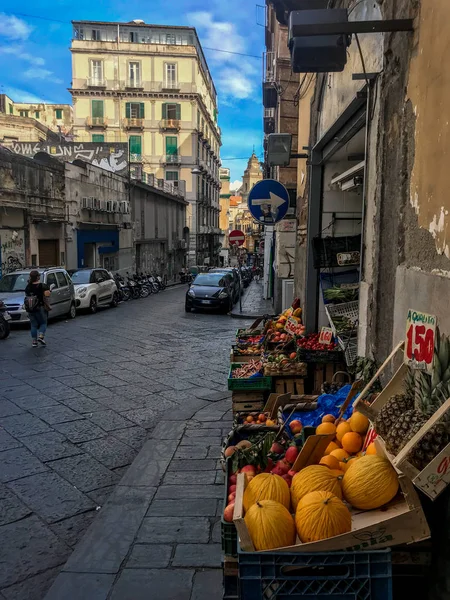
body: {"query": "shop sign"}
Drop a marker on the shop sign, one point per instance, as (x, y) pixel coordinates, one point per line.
(292, 327)
(326, 336)
(419, 343)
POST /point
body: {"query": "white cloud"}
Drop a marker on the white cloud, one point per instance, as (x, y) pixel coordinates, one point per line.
(18, 52)
(41, 74)
(235, 185)
(13, 28)
(19, 95)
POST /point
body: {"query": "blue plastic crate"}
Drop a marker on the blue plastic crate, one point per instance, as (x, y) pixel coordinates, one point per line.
(326, 576)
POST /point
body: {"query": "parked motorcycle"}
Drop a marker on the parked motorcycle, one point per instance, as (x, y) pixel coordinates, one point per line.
(4, 321)
(122, 288)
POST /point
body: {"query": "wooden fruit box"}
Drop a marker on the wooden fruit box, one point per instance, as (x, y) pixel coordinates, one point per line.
(324, 372)
(432, 480)
(402, 521)
(289, 385)
(247, 401)
(242, 358)
(296, 370)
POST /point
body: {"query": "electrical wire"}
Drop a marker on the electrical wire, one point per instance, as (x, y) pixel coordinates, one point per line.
(363, 64)
(296, 97)
(204, 47)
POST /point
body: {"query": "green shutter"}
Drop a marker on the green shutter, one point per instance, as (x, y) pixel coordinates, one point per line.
(128, 110)
(97, 108)
(164, 111)
(98, 137)
(171, 145)
(135, 144)
(178, 111)
(141, 110)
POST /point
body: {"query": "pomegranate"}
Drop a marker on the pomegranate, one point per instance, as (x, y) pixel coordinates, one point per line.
(277, 471)
(228, 513)
(277, 448)
(232, 479)
(291, 454)
(270, 466)
(231, 489)
(287, 479)
(283, 466)
(295, 426)
(291, 473)
(249, 469)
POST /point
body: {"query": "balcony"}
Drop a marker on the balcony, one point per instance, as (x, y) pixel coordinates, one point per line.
(96, 82)
(97, 122)
(174, 86)
(269, 120)
(270, 94)
(134, 84)
(170, 124)
(269, 67)
(133, 123)
(172, 159)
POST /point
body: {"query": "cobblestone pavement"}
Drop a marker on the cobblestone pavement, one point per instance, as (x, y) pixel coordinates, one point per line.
(74, 416)
(253, 303)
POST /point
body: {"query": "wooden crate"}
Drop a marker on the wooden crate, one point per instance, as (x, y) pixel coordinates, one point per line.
(247, 401)
(402, 521)
(322, 372)
(289, 385)
(432, 480)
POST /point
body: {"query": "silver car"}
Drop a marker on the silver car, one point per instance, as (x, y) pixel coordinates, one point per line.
(62, 297)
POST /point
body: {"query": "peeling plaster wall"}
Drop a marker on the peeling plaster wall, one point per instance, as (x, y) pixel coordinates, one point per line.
(429, 92)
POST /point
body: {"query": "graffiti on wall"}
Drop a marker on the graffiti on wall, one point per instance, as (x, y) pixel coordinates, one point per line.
(109, 156)
(12, 251)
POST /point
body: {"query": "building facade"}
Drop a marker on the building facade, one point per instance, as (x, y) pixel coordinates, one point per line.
(150, 86)
(224, 218)
(56, 117)
(282, 92)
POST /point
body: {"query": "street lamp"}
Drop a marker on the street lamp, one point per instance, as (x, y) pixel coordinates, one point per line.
(196, 171)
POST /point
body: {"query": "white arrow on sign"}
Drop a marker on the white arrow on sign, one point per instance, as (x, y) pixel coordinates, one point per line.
(274, 200)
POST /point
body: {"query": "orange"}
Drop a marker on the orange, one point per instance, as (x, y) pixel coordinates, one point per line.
(344, 465)
(337, 472)
(329, 461)
(359, 423)
(340, 454)
(325, 428)
(352, 442)
(342, 429)
(328, 419)
(331, 446)
(371, 448)
(249, 419)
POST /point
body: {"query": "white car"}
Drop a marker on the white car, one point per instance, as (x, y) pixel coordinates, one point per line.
(94, 288)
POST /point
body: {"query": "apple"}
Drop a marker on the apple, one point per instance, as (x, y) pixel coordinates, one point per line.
(249, 469)
(292, 473)
(295, 426)
(277, 471)
(283, 466)
(232, 479)
(228, 513)
(231, 489)
(291, 454)
(287, 479)
(262, 417)
(270, 466)
(277, 448)
(231, 497)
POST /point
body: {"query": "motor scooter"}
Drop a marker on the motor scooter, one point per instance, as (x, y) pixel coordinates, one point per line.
(5, 318)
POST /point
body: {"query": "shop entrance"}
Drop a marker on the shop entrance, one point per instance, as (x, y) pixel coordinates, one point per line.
(48, 253)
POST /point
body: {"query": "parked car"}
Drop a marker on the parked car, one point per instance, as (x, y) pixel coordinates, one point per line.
(62, 297)
(94, 288)
(237, 286)
(211, 290)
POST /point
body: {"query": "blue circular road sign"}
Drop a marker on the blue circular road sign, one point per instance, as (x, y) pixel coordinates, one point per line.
(268, 201)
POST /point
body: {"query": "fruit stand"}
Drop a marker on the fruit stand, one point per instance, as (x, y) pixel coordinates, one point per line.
(310, 485)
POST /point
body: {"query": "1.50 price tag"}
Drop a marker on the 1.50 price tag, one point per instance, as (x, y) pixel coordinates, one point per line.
(419, 344)
(326, 336)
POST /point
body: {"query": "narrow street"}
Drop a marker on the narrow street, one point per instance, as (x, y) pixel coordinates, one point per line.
(74, 416)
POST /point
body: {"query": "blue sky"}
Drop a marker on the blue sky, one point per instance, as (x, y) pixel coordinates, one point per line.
(35, 60)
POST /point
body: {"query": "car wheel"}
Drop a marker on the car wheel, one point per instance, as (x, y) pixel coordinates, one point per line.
(187, 308)
(115, 300)
(93, 305)
(72, 312)
(4, 329)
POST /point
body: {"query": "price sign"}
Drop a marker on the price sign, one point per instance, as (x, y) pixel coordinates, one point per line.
(419, 344)
(291, 326)
(326, 336)
(436, 476)
(371, 435)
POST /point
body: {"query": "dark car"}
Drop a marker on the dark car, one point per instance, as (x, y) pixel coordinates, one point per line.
(211, 290)
(237, 286)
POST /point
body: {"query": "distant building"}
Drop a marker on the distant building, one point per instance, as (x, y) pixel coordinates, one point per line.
(149, 85)
(56, 117)
(224, 220)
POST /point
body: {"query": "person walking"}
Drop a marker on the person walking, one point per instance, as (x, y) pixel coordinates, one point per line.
(37, 307)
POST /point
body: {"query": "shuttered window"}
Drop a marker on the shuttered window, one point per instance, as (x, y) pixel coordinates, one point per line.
(98, 137)
(135, 110)
(135, 144)
(171, 111)
(171, 145)
(97, 108)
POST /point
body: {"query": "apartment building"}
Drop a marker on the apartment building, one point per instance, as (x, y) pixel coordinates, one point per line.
(56, 117)
(150, 86)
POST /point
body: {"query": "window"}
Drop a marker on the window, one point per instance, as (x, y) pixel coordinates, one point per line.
(95, 35)
(98, 137)
(134, 73)
(62, 281)
(97, 109)
(133, 37)
(135, 146)
(135, 110)
(97, 71)
(23, 113)
(172, 175)
(171, 111)
(11, 109)
(58, 113)
(51, 280)
(170, 75)
(170, 38)
(36, 114)
(171, 145)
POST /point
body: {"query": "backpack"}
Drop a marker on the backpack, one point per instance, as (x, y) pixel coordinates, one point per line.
(31, 303)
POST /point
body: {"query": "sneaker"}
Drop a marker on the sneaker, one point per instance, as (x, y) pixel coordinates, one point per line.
(41, 340)
(34, 343)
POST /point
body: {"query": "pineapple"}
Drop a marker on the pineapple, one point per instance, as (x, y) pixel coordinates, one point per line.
(433, 442)
(394, 408)
(402, 430)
